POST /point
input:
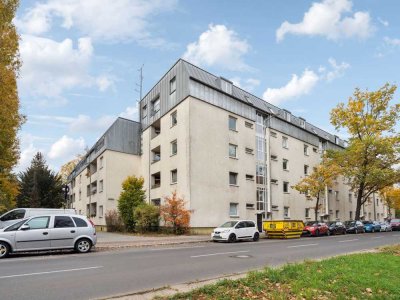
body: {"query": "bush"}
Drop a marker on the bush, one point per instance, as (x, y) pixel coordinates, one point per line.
(132, 195)
(175, 214)
(114, 221)
(147, 217)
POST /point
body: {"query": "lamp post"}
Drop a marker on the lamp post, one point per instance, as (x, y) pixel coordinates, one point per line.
(66, 191)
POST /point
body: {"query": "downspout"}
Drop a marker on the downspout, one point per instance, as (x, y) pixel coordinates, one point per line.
(268, 163)
(373, 199)
(326, 201)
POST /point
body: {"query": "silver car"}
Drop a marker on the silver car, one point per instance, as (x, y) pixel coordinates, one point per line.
(48, 232)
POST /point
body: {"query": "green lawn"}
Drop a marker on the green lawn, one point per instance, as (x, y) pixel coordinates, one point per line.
(357, 276)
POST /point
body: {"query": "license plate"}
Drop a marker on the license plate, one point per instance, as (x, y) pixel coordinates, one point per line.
(217, 235)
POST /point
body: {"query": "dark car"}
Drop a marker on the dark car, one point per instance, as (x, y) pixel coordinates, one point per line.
(370, 226)
(354, 227)
(336, 227)
(315, 229)
(395, 223)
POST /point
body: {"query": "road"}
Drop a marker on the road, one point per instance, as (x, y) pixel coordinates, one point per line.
(102, 274)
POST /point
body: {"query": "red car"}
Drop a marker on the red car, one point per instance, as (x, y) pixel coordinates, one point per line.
(316, 229)
(395, 223)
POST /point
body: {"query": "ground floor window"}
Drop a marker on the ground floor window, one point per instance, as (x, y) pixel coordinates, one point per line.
(233, 209)
(286, 212)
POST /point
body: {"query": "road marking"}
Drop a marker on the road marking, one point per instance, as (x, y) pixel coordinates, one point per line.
(50, 272)
(377, 237)
(395, 234)
(305, 245)
(221, 253)
(345, 241)
(174, 248)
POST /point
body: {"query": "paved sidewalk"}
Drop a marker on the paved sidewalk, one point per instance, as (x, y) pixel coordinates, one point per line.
(111, 240)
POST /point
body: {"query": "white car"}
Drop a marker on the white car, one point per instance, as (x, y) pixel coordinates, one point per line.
(232, 231)
(385, 226)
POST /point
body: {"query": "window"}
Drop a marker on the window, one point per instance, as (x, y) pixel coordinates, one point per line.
(249, 150)
(274, 181)
(174, 176)
(144, 112)
(273, 134)
(63, 222)
(337, 214)
(307, 214)
(261, 198)
(226, 85)
(260, 174)
(351, 215)
(174, 119)
(286, 115)
(233, 178)
(38, 223)
(232, 123)
(285, 142)
(101, 162)
(156, 180)
(274, 157)
(306, 150)
(14, 215)
(88, 190)
(249, 177)
(377, 202)
(306, 170)
(155, 105)
(248, 124)
(80, 195)
(101, 211)
(286, 212)
(350, 197)
(156, 153)
(302, 123)
(315, 150)
(285, 164)
(156, 202)
(233, 209)
(172, 90)
(337, 195)
(286, 187)
(80, 222)
(232, 151)
(174, 147)
(100, 186)
(249, 206)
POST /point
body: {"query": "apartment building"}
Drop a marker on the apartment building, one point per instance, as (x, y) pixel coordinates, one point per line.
(95, 183)
(232, 155)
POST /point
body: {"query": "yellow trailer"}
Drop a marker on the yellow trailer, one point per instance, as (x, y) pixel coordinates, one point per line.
(283, 229)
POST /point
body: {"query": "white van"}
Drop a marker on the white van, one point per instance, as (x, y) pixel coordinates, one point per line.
(17, 214)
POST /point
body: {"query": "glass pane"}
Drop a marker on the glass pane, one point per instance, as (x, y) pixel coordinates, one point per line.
(39, 223)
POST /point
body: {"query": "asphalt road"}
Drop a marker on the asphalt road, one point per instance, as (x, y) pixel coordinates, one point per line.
(102, 274)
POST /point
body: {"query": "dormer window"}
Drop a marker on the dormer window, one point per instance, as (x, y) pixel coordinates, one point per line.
(226, 85)
(302, 123)
(287, 115)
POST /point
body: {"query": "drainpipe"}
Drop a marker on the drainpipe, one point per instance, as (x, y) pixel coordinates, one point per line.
(326, 201)
(268, 163)
(373, 199)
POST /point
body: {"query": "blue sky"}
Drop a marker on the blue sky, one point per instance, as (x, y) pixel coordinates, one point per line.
(80, 58)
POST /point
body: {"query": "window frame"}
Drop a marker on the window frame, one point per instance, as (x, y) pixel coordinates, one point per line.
(285, 183)
(174, 142)
(236, 206)
(235, 123)
(234, 147)
(235, 176)
(174, 118)
(174, 171)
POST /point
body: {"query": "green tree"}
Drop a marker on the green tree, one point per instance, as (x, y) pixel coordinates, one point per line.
(147, 217)
(10, 118)
(373, 146)
(132, 195)
(39, 186)
(314, 185)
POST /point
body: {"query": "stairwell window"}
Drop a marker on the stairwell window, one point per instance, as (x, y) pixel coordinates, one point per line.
(232, 151)
(232, 123)
(155, 106)
(174, 119)
(172, 89)
(285, 164)
(306, 170)
(307, 213)
(285, 142)
(233, 209)
(286, 212)
(306, 151)
(174, 176)
(286, 187)
(174, 147)
(233, 178)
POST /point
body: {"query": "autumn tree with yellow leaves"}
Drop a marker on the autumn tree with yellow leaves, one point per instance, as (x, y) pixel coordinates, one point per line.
(373, 150)
(391, 196)
(10, 118)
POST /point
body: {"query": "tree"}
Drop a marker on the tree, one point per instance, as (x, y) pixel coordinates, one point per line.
(39, 186)
(68, 167)
(174, 213)
(373, 146)
(314, 185)
(10, 118)
(132, 195)
(147, 217)
(391, 196)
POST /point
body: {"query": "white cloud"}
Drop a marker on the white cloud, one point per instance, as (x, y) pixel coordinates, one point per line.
(66, 148)
(109, 20)
(328, 19)
(27, 153)
(50, 67)
(337, 69)
(391, 41)
(218, 46)
(248, 84)
(131, 113)
(383, 22)
(296, 87)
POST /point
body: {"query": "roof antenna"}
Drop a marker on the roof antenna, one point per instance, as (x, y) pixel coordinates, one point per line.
(139, 86)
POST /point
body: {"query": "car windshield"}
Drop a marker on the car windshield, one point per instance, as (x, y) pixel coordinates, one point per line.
(312, 224)
(395, 221)
(332, 223)
(350, 223)
(367, 222)
(229, 224)
(15, 226)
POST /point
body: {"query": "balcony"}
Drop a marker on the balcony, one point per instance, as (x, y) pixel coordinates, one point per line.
(156, 154)
(156, 180)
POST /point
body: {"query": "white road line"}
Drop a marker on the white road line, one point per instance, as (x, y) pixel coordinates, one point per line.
(305, 245)
(377, 237)
(174, 248)
(50, 272)
(345, 241)
(221, 253)
(395, 234)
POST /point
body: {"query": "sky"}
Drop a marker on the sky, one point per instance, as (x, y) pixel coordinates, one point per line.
(81, 58)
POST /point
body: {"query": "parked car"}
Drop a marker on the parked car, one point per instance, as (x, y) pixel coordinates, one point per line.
(13, 216)
(232, 231)
(48, 232)
(395, 223)
(385, 226)
(354, 227)
(316, 229)
(336, 227)
(371, 226)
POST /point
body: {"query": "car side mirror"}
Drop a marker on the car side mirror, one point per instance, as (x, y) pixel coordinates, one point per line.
(25, 227)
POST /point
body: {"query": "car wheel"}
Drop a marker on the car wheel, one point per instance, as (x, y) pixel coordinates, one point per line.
(83, 246)
(232, 238)
(4, 250)
(256, 237)
(328, 233)
(373, 230)
(356, 231)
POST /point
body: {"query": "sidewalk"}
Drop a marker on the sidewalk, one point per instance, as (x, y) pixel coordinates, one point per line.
(111, 240)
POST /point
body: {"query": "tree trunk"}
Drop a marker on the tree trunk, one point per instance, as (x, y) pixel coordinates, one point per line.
(316, 209)
(359, 201)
